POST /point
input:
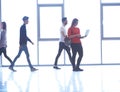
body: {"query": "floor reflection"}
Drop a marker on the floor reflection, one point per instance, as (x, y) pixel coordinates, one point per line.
(3, 85)
(21, 81)
(47, 79)
(75, 83)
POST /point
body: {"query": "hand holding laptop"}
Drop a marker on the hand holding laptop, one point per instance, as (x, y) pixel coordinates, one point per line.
(86, 33)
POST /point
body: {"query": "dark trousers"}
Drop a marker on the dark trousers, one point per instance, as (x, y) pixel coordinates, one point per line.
(25, 49)
(61, 47)
(77, 48)
(3, 50)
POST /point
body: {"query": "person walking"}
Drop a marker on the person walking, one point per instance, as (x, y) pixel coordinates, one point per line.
(76, 44)
(62, 43)
(3, 40)
(23, 45)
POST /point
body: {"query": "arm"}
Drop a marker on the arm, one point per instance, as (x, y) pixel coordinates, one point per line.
(62, 32)
(83, 36)
(86, 34)
(0, 33)
(77, 35)
(30, 40)
(73, 34)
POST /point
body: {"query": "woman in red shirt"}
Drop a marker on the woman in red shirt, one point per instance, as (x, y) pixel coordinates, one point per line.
(74, 35)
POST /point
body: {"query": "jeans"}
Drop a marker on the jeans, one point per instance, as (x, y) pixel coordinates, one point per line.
(77, 48)
(61, 47)
(3, 50)
(25, 49)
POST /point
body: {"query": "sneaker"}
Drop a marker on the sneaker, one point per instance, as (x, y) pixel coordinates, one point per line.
(11, 68)
(55, 67)
(33, 69)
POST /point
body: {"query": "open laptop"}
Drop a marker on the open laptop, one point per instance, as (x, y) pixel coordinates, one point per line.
(87, 32)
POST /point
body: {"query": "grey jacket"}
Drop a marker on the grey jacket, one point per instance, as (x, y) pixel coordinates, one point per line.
(3, 41)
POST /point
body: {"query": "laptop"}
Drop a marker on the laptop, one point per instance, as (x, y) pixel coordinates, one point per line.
(87, 32)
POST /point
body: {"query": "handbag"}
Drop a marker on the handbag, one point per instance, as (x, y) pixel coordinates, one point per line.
(67, 41)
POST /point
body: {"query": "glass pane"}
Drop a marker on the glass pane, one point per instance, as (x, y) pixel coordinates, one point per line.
(48, 51)
(111, 52)
(50, 21)
(50, 1)
(111, 21)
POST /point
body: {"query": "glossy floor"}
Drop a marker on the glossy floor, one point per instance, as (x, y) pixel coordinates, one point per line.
(46, 79)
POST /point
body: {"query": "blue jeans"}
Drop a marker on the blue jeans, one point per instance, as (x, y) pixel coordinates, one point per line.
(25, 49)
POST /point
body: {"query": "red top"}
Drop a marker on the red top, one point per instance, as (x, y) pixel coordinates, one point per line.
(73, 31)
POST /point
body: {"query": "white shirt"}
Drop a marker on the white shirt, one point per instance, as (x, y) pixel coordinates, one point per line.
(62, 28)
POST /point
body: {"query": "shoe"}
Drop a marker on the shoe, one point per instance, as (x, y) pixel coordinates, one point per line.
(77, 69)
(55, 67)
(33, 69)
(11, 68)
(80, 69)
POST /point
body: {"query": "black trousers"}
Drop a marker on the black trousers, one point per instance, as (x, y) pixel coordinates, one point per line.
(61, 47)
(77, 48)
(3, 50)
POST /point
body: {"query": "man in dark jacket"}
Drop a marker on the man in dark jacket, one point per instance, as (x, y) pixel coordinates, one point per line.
(23, 45)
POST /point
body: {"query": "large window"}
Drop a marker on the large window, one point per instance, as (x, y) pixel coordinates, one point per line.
(111, 20)
(49, 22)
(110, 31)
(50, 19)
(49, 30)
(45, 21)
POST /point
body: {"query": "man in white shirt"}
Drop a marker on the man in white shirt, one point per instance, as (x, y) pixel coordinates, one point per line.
(62, 43)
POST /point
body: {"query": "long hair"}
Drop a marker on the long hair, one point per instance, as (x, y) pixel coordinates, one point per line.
(4, 25)
(75, 20)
